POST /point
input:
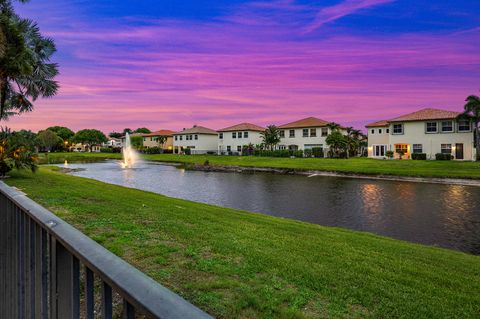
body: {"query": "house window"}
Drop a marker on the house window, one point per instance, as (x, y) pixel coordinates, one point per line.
(379, 131)
(397, 128)
(220, 136)
(291, 133)
(196, 137)
(175, 137)
(379, 150)
(239, 148)
(401, 148)
(181, 137)
(447, 126)
(305, 132)
(234, 135)
(282, 134)
(239, 134)
(313, 132)
(417, 148)
(282, 147)
(373, 131)
(324, 131)
(446, 148)
(229, 148)
(245, 134)
(388, 130)
(432, 127)
(464, 126)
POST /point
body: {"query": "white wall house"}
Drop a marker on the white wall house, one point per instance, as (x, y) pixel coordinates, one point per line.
(428, 131)
(232, 139)
(198, 139)
(305, 134)
(113, 142)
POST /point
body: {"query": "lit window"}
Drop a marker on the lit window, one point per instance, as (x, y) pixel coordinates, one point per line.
(432, 127)
(417, 148)
(291, 133)
(464, 126)
(313, 132)
(446, 148)
(447, 126)
(397, 128)
(305, 132)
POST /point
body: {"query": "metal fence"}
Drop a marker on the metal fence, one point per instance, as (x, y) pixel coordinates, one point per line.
(50, 270)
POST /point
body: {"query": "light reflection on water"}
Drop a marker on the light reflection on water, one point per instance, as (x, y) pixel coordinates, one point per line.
(443, 215)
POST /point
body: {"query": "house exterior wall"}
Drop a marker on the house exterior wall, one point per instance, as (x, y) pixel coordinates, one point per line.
(415, 133)
(378, 136)
(227, 142)
(202, 144)
(305, 142)
(149, 141)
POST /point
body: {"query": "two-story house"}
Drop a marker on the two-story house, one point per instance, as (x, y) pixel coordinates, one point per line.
(232, 139)
(199, 139)
(429, 131)
(305, 134)
(154, 139)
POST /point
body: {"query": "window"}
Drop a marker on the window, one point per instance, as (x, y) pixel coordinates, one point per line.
(229, 148)
(305, 132)
(282, 134)
(397, 128)
(239, 148)
(379, 131)
(432, 127)
(464, 126)
(181, 137)
(291, 133)
(379, 150)
(401, 148)
(220, 136)
(324, 131)
(245, 134)
(373, 131)
(175, 137)
(144, 139)
(447, 126)
(417, 148)
(446, 148)
(234, 135)
(388, 130)
(196, 137)
(239, 134)
(282, 147)
(313, 132)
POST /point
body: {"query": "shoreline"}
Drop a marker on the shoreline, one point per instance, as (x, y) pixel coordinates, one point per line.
(314, 173)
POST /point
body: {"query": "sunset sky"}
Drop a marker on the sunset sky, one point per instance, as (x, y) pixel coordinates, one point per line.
(170, 64)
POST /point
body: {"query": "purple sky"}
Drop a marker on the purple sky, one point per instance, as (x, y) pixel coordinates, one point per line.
(171, 64)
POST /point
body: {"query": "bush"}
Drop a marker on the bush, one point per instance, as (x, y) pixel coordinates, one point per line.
(211, 153)
(317, 152)
(308, 152)
(389, 154)
(443, 157)
(106, 150)
(187, 151)
(419, 156)
(154, 150)
(298, 153)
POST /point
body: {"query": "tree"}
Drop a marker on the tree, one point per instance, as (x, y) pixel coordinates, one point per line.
(48, 139)
(89, 137)
(15, 154)
(271, 137)
(472, 113)
(115, 134)
(26, 72)
(337, 143)
(142, 130)
(161, 140)
(26, 138)
(63, 132)
(334, 126)
(127, 130)
(136, 142)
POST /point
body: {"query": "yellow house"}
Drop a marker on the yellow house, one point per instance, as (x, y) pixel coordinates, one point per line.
(153, 139)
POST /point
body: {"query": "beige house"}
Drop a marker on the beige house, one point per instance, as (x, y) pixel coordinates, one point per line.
(429, 131)
(232, 139)
(153, 139)
(305, 134)
(198, 139)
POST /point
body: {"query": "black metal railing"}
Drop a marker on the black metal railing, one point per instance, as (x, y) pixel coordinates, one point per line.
(50, 270)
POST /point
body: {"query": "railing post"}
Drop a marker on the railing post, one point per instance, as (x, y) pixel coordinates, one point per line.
(106, 301)
(89, 294)
(68, 292)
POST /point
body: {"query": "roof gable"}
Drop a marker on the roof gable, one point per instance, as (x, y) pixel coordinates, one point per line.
(426, 114)
(243, 127)
(306, 122)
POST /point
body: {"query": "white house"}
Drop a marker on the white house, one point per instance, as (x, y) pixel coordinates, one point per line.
(305, 134)
(113, 142)
(232, 139)
(198, 139)
(429, 131)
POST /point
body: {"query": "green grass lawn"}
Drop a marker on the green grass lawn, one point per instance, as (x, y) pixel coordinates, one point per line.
(367, 166)
(236, 264)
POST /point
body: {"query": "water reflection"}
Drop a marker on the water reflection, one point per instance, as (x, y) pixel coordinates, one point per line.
(443, 215)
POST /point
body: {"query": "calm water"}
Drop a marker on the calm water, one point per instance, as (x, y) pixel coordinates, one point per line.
(443, 215)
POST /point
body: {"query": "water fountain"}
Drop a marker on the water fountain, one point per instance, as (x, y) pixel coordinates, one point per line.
(130, 156)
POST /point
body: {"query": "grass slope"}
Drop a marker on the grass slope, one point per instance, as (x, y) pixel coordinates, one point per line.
(451, 169)
(236, 264)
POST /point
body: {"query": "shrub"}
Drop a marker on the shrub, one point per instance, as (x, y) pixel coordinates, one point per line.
(211, 153)
(308, 152)
(298, 153)
(443, 157)
(106, 150)
(419, 156)
(317, 152)
(389, 154)
(187, 151)
(154, 150)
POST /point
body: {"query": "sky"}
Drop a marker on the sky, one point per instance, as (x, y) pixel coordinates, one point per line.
(171, 64)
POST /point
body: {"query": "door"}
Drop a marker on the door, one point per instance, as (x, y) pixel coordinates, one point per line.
(459, 151)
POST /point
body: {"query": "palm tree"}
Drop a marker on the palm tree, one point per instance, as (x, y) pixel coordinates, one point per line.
(161, 140)
(472, 113)
(271, 137)
(26, 72)
(333, 126)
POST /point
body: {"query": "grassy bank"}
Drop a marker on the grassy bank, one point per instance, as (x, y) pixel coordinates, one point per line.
(236, 264)
(368, 166)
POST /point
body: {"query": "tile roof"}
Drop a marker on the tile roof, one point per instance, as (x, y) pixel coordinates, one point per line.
(426, 114)
(160, 133)
(306, 122)
(243, 127)
(378, 123)
(197, 130)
